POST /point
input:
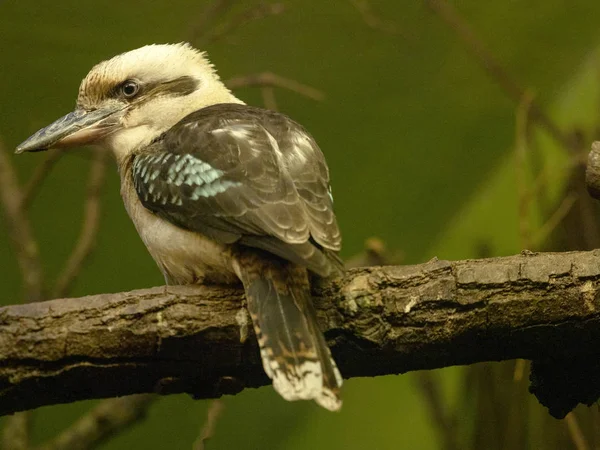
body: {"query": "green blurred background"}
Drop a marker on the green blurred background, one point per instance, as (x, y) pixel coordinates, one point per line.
(429, 151)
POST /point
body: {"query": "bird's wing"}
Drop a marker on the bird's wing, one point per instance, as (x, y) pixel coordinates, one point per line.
(238, 173)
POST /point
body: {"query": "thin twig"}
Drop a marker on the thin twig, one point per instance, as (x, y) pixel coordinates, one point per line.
(375, 253)
(519, 371)
(595, 425)
(39, 175)
(102, 422)
(492, 66)
(444, 424)
(555, 219)
(210, 15)
(372, 19)
(17, 428)
(215, 409)
(251, 14)
(270, 79)
(89, 229)
(16, 432)
(575, 432)
(512, 403)
(268, 95)
(19, 230)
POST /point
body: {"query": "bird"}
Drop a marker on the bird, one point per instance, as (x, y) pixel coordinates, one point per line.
(219, 192)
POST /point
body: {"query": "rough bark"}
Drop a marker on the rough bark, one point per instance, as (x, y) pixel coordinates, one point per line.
(592, 172)
(380, 320)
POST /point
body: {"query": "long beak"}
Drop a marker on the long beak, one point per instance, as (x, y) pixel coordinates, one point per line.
(79, 127)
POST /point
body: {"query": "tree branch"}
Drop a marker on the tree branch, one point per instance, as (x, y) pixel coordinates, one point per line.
(270, 79)
(19, 229)
(101, 423)
(38, 177)
(381, 320)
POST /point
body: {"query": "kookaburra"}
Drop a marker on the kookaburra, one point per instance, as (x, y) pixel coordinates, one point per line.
(219, 192)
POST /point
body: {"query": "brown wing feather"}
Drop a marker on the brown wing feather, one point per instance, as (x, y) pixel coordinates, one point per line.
(238, 173)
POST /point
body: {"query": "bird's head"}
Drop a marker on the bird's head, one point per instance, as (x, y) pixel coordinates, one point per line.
(127, 101)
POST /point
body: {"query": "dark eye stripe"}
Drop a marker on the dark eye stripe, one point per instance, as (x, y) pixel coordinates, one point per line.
(179, 86)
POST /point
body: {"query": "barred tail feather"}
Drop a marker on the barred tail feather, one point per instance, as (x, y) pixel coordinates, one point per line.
(332, 378)
(293, 349)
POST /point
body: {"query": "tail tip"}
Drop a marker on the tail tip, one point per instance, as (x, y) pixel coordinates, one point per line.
(307, 386)
(329, 400)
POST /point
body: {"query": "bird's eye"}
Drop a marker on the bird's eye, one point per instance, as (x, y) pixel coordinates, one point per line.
(129, 89)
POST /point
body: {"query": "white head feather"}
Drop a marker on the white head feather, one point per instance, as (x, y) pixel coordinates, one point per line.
(151, 65)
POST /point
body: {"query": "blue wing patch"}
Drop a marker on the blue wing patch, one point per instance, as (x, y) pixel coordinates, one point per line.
(154, 173)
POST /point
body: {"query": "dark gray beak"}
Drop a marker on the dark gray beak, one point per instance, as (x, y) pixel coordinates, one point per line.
(79, 127)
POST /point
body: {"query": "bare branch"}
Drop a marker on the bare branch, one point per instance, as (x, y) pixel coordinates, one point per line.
(270, 79)
(208, 29)
(372, 19)
(575, 432)
(519, 370)
(268, 95)
(16, 432)
(444, 422)
(102, 423)
(215, 410)
(493, 67)
(251, 14)
(90, 225)
(39, 175)
(379, 320)
(374, 254)
(555, 219)
(214, 10)
(19, 229)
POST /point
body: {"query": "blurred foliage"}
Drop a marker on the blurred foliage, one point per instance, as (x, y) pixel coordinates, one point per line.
(427, 151)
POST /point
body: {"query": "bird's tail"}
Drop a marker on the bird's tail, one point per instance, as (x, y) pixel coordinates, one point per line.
(293, 349)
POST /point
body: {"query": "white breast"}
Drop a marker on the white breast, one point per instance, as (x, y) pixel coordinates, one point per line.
(183, 256)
